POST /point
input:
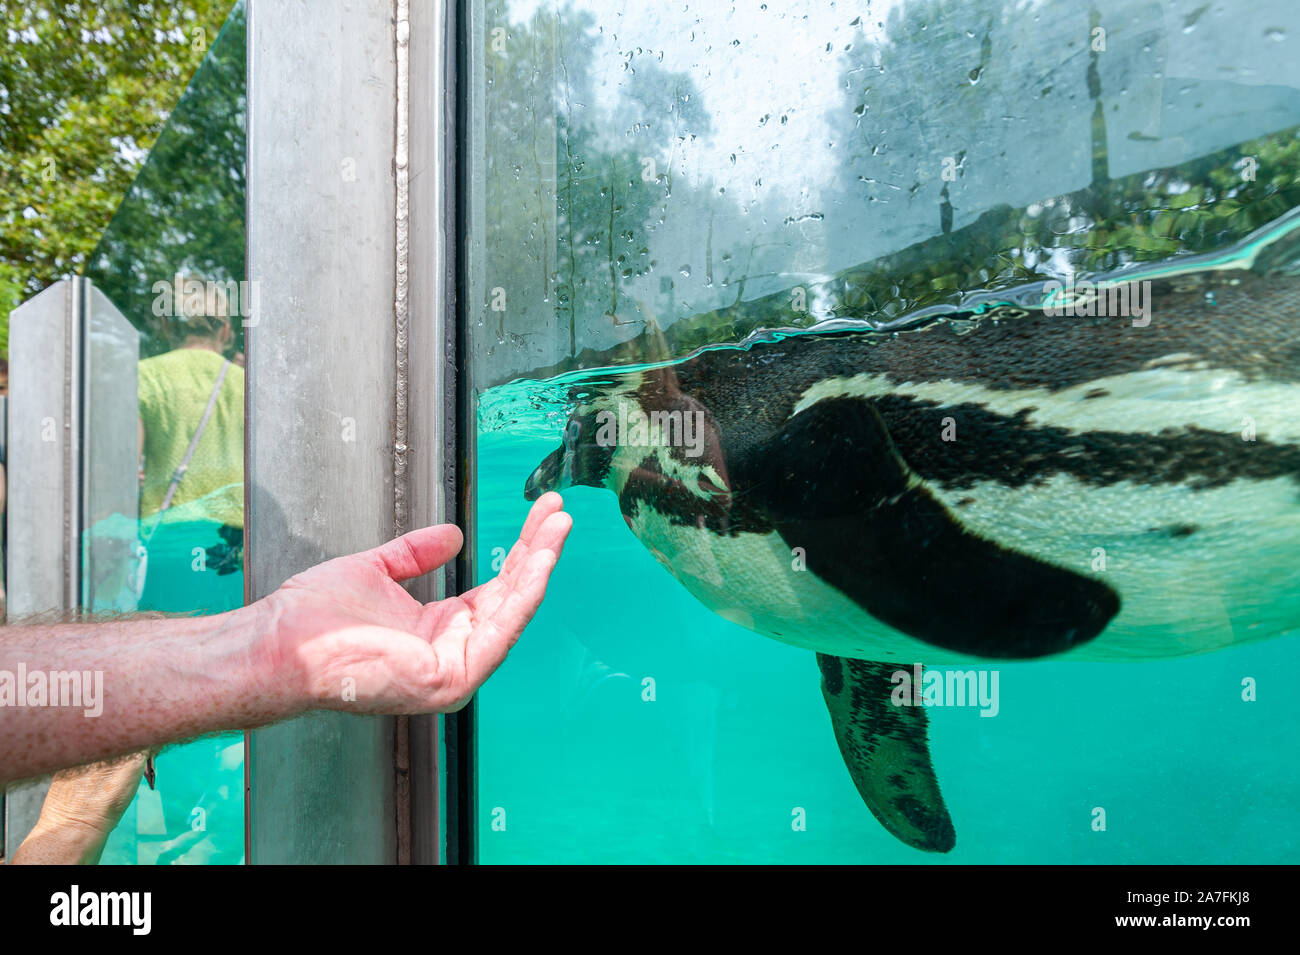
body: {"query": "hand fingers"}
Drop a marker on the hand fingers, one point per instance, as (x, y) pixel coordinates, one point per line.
(552, 534)
(542, 508)
(549, 537)
(494, 637)
(546, 505)
(107, 768)
(418, 552)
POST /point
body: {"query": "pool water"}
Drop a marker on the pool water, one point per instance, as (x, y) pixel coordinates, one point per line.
(195, 815)
(631, 724)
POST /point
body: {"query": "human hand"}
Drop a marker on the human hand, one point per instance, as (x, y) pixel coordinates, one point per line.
(82, 806)
(346, 636)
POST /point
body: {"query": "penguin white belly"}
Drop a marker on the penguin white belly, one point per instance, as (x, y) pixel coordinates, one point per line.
(752, 580)
(1182, 594)
(1196, 570)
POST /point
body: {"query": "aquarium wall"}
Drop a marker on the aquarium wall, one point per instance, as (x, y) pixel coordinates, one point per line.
(351, 386)
(239, 310)
(646, 185)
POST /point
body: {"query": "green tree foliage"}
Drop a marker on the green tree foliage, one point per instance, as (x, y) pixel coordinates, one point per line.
(85, 89)
(185, 211)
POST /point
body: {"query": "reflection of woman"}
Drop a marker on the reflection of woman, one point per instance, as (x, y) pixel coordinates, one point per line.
(191, 402)
(192, 445)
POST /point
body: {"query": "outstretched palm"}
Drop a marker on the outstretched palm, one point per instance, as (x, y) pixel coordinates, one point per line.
(355, 640)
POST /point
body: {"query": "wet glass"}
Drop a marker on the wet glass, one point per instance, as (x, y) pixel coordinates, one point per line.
(164, 511)
(887, 206)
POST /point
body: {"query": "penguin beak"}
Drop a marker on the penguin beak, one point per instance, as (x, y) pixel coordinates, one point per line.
(547, 477)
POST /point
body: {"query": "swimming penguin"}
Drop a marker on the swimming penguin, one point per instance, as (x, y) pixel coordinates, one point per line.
(1003, 483)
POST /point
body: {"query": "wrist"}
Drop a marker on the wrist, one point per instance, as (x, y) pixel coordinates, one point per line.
(274, 674)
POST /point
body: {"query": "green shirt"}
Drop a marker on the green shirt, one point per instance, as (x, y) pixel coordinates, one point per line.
(174, 391)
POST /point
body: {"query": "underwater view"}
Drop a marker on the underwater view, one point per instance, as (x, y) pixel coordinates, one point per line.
(1093, 505)
(924, 383)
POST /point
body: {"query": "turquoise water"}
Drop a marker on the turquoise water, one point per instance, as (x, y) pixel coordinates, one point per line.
(195, 815)
(631, 723)
(575, 766)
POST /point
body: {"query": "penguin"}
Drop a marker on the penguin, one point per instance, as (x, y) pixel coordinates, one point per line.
(1005, 482)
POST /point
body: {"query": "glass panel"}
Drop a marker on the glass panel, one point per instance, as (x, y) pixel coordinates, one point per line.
(4, 493)
(164, 366)
(111, 552)
(1017, 288)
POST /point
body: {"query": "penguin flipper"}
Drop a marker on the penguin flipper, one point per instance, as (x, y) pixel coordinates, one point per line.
(887, 752)
(835, 486)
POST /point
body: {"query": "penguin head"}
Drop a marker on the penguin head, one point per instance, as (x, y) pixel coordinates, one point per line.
(580, 459)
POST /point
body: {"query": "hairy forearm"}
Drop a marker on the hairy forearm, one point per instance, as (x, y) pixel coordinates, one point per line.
(144, 682)
(343, 635)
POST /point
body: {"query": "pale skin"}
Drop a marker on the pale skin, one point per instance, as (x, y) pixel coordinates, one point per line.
(346, 622)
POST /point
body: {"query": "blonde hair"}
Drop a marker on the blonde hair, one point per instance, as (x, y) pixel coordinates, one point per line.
(201, 307)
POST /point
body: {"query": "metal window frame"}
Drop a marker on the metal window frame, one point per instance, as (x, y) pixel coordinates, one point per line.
(351, 206)
(44, 494)
(459, 735)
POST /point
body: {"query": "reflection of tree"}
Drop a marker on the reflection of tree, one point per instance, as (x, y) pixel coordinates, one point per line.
(919, 95)
(990, 83)
(185, 211)
(930, 90)
(573, 190)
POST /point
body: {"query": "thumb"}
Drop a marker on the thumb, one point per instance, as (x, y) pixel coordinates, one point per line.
(417, 552)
